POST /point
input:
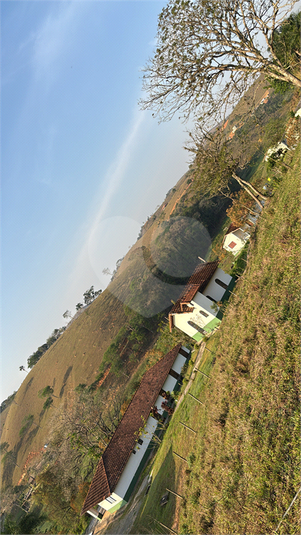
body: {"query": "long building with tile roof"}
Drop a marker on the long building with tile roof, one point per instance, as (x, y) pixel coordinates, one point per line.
(123, 456)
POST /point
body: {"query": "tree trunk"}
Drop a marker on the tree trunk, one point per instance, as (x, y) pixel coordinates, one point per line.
(253, 188)
(247, 190)
(249, 209)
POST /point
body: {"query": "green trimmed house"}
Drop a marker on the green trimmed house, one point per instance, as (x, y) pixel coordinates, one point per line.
(196, 312)
(125, 456)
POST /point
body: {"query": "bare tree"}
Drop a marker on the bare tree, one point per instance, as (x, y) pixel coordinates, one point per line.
(209, 52)
(79, 435)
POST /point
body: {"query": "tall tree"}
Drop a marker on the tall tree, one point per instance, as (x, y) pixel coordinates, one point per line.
(208, 53)
(286, 41)
(215, 165)
(22, 369)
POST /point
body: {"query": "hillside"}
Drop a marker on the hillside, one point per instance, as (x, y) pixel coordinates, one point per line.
(73, 359)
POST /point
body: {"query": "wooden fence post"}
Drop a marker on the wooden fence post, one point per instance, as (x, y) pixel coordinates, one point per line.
(195, 398)
(173, 492)
(187, 427)
(196, 370)
(180, 457)
(166, 527)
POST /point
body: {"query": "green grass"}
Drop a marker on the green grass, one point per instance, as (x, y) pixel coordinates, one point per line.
(244, 468)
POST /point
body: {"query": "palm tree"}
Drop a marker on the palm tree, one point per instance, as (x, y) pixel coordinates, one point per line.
(22, 369)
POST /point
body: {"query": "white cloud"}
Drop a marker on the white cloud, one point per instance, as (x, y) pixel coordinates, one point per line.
(117, 170)
(113, 178)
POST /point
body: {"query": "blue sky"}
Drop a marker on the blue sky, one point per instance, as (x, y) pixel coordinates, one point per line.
(79, 160)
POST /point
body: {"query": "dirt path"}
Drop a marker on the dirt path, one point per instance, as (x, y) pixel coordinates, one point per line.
(178, 200)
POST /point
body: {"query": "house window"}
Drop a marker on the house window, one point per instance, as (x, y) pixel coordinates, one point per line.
(110, 499)
(140, 441)
(197, 327)
(134, 451)
(221, 283)
(174, 374)
(203, 313)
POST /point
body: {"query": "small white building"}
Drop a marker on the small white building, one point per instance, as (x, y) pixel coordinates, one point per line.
(126, 454)
(276, 152)
(235, 239)
(196, 312)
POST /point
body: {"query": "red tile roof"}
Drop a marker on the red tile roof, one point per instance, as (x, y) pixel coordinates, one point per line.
(197, 283)
(232, 227)
(118, 451)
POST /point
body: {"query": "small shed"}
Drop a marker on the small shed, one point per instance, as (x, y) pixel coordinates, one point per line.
(235, 239)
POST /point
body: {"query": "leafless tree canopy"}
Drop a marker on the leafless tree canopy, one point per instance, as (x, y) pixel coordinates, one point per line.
(209, 52)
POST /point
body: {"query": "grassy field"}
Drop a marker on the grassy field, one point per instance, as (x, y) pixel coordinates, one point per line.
(243, 465)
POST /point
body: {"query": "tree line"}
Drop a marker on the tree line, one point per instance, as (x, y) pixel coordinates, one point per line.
(89, 296)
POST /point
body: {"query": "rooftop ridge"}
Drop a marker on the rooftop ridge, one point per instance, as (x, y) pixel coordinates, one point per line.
(197, 282)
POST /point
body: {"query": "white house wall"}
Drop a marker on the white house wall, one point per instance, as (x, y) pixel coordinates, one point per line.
(169, 384)
(180, 321)
(159, 403)
(178, 364)
(215, 290)
(201, 302)
(239, 237)
(132, 465)
(105, 504)
(238, 243)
